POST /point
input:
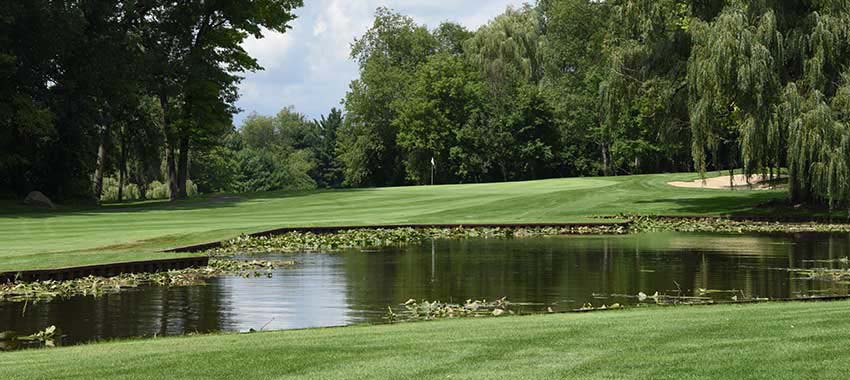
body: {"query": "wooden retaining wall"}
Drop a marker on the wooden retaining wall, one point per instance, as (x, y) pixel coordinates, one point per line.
(104, 270)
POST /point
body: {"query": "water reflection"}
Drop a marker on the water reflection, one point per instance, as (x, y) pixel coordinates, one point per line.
(557, 272)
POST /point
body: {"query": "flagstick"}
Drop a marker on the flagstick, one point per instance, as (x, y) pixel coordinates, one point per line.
(433, 166)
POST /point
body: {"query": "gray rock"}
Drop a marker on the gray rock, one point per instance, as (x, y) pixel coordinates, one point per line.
(37, 199)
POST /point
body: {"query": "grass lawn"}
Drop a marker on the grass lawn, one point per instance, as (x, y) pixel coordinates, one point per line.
(768, 341)
(70, 236)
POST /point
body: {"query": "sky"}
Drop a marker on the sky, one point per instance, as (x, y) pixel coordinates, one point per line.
(308, 67)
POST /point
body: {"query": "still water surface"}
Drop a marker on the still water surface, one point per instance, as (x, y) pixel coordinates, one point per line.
(353, 287)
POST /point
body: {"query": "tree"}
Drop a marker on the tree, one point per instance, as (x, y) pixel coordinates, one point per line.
(329, 168)
(575, 30)
(26, 119)
(388, 54)
(508, 51)
(509, 54)
(445, 92)
(814, 106)
(195, 52)
(734, 82)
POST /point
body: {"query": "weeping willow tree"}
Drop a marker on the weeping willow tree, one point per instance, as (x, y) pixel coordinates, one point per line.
(734, 82)
(818, 103)
(508, 50)
(774, 78)
(646, 53)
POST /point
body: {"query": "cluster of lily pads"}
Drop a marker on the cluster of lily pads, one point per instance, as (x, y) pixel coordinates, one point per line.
(9, 340)
(837, 270)
(378, 238)
(656, 224)
(98, 286)
(424, 310)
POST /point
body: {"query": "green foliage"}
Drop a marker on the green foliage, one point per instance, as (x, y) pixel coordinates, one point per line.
(106, 87)
(388, 54)
(328, 172)
(734, 82)
(263, 170)
(560, 88)
(772, 80)
(158, 190)
(508, 50)
(110, 191)
(95, 286)
(441, 100)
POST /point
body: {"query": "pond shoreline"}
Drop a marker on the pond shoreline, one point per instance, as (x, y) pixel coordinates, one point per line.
(789, 223)
(630, 224)
(602, 273)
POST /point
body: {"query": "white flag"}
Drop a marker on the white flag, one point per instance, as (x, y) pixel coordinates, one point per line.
(434, 164)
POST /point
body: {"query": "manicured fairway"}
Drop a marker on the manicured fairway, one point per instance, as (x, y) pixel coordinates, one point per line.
(771, 341)
(38, 239)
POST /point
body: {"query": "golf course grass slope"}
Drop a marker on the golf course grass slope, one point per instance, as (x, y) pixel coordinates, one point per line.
(72, 236)
(767, 341)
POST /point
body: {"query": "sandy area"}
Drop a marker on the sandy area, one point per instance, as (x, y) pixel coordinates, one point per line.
(739, 182)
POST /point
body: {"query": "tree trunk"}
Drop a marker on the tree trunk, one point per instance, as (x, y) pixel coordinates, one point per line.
(101, 163)
(143, 186)
(732, 178)
(122, 169)
(171, 168)
(183, 168)
(606, 170)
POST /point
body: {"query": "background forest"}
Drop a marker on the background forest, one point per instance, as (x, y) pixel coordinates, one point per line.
(116, 99)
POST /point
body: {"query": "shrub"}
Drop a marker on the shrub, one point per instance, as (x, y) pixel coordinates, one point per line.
(263, 170)
(110, 190)
(159, 190)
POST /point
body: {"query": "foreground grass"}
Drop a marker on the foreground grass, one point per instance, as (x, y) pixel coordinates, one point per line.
(769, 341)
(39, 239)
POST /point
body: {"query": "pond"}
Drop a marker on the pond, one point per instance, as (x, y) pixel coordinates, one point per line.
(562, 273)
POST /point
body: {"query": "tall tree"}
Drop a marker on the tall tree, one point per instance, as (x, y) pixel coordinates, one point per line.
(509, 53)
(329, 168)
(388, 54)
(441, 100)
(734, 79)
(195, 52)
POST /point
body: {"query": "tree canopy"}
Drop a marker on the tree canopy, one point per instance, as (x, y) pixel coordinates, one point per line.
(143, 93)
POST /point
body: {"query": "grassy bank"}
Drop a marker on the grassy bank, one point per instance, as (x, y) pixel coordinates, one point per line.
(775, 341)
(41, 239)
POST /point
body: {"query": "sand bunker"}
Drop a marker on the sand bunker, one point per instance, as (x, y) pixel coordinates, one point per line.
(739, 181)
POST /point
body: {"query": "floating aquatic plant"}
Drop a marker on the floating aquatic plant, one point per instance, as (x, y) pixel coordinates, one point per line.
(9, 340)
(98, 286)
(424, 310)
(379, 238)
(658, 224)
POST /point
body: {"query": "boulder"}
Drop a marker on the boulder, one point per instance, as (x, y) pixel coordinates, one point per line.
(37, 199)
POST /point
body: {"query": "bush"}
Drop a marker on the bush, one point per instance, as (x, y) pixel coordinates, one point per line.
(159, 190)
(110, 191)
(262, 170)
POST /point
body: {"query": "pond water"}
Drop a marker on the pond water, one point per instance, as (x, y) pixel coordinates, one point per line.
(561, 272)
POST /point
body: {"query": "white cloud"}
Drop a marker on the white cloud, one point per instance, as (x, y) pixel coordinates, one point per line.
(309, 66)
(272, 50)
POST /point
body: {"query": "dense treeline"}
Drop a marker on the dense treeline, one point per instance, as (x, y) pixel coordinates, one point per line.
(579, 87)
(128, 89)
(124, 91)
